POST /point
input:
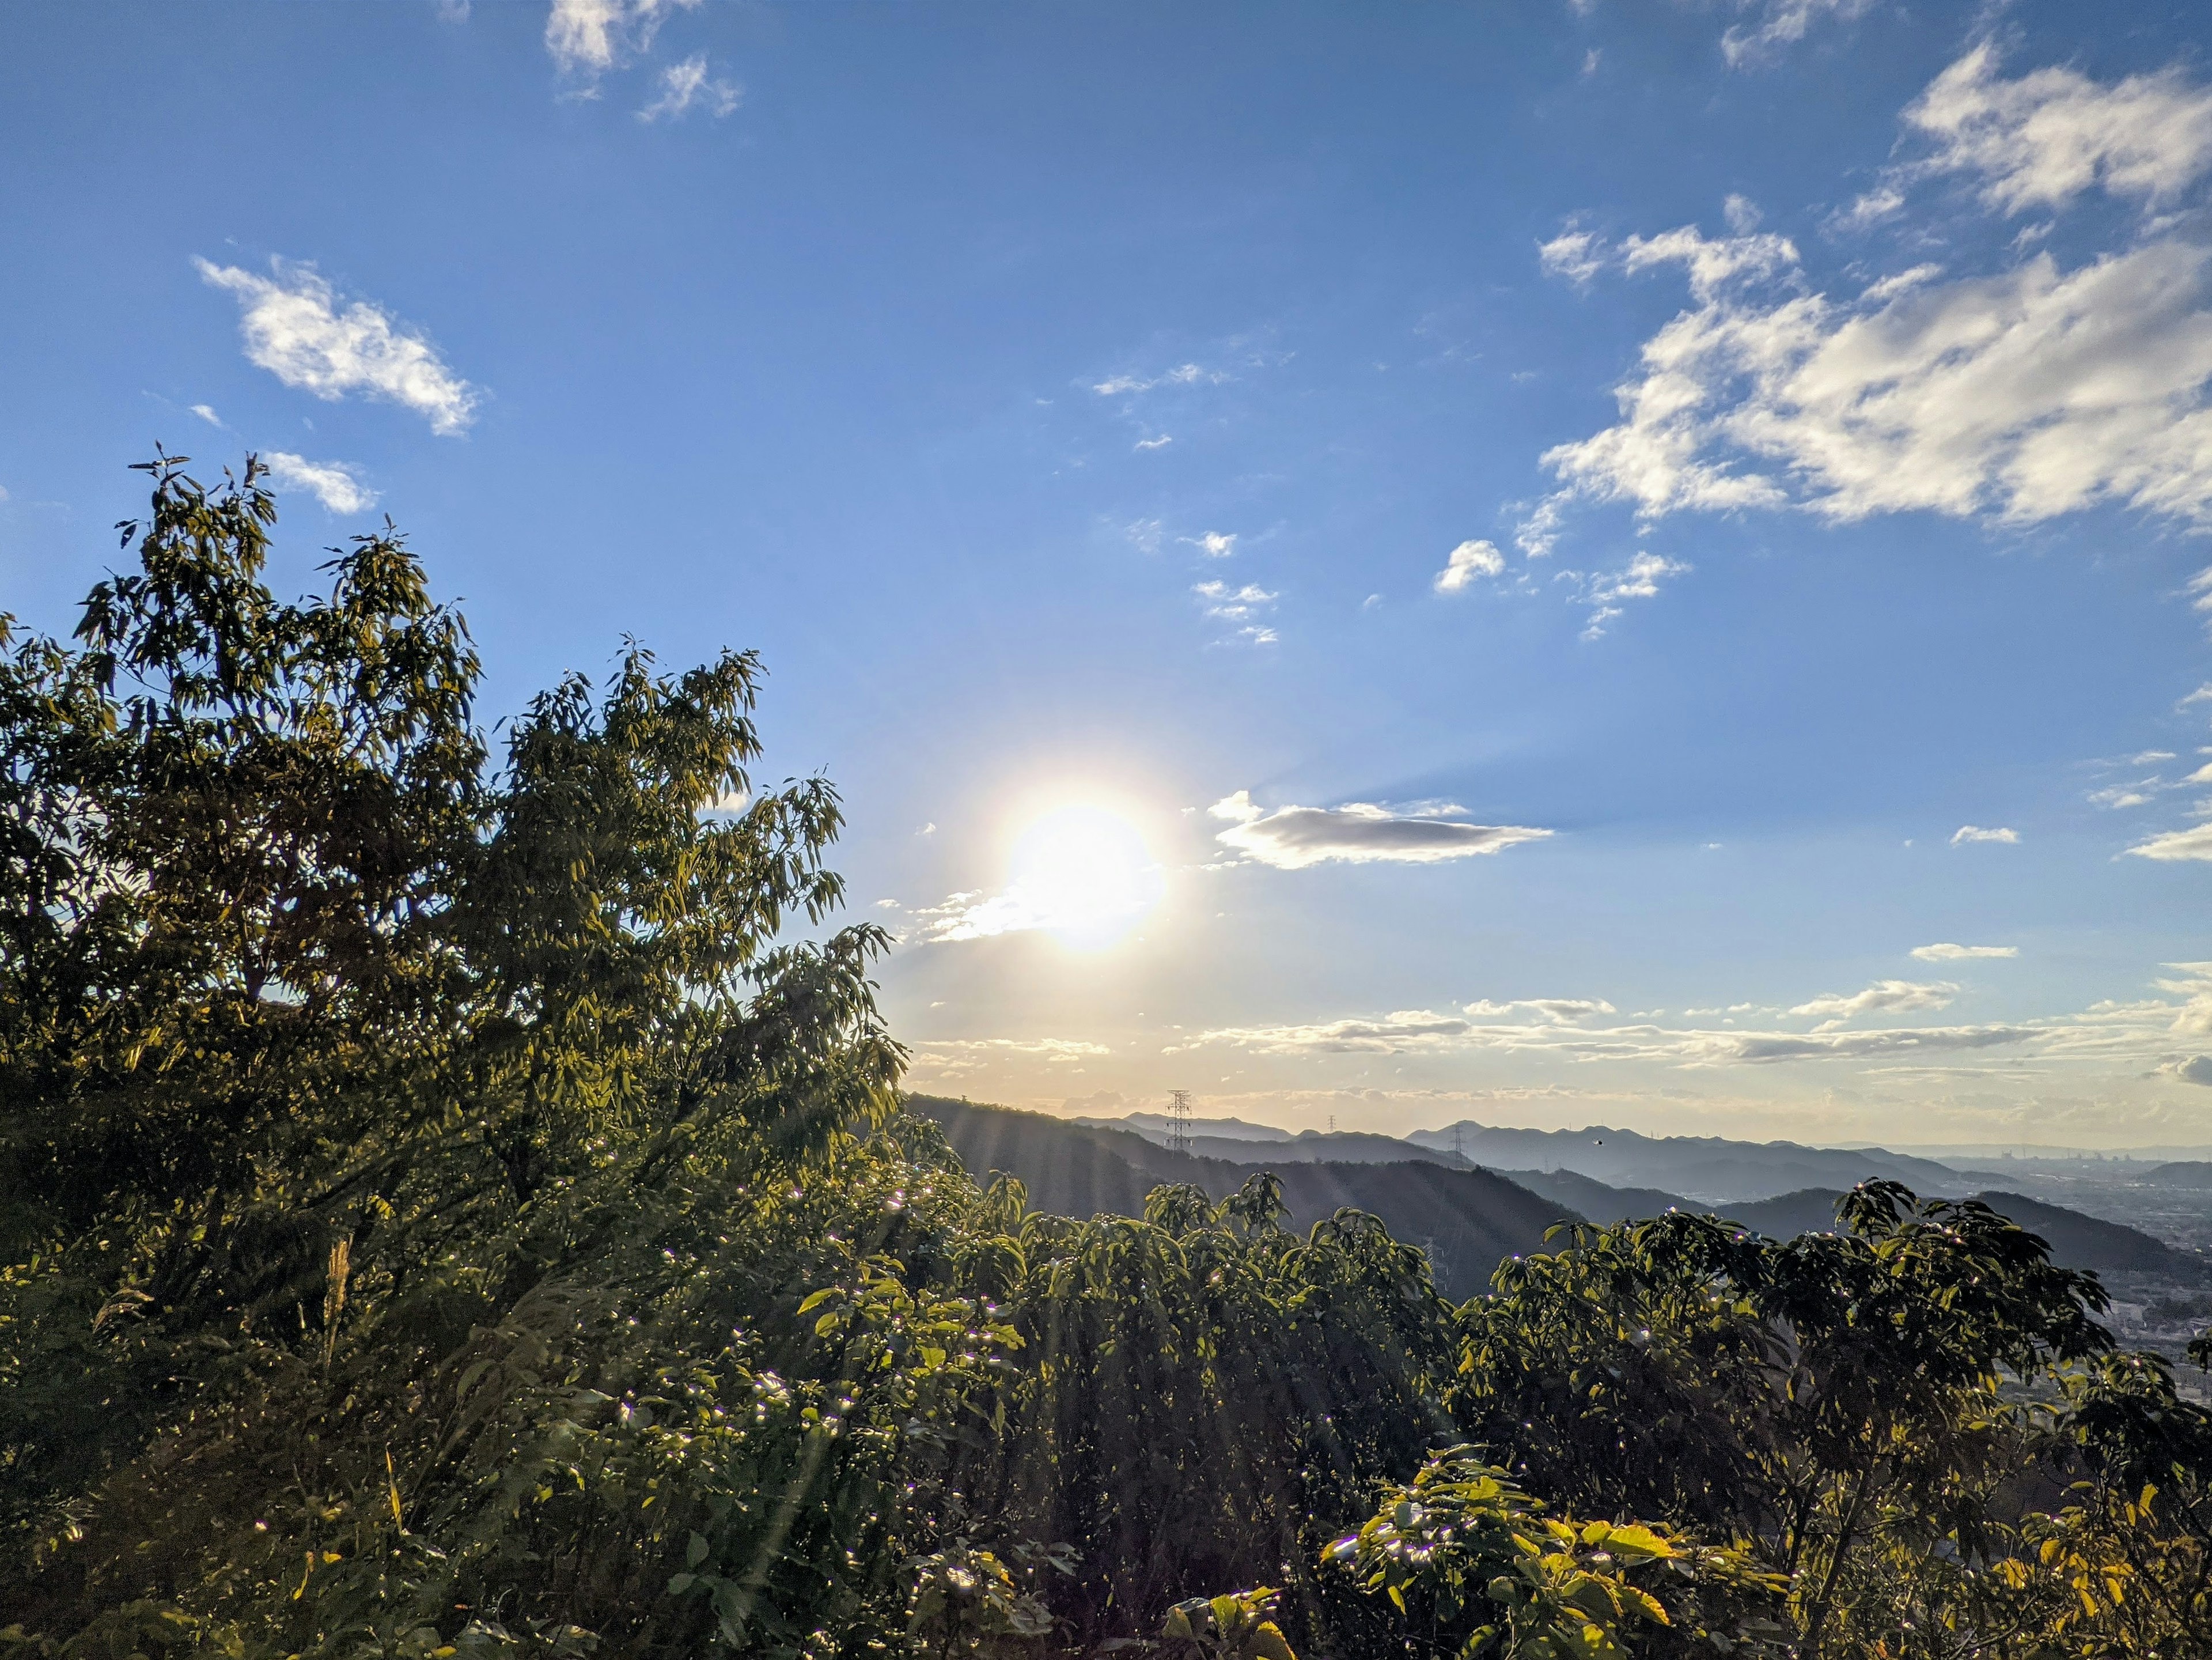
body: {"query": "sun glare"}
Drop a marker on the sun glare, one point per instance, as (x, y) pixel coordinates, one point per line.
(1084, 874)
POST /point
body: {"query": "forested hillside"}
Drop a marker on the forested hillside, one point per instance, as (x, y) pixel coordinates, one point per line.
(461, 1204)
(1465, 1222)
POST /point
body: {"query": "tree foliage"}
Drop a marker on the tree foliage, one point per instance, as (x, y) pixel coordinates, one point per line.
(454, 1201)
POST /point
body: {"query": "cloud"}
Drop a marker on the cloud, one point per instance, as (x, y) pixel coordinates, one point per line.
(1467, 562)
(1950, 953)
(2193, 843)
(2195, 1069)
(1241, 606)
(687, 83)
(1558, 1010)
(1574, 253)
(1966, 833)
(1158, 443)
(2016, 396)
(2201, 695)
(1232, 605)
(586, 37)
(336, 485)
(1358, 833)
(1214, 544)
(206, 412)
(1183, 374)
(294, 326)
(1781, 23)
(1638, 578)
(963, 1055)
(1145, 535)
(1883, 997)
(1414, 1031)
(2040, 141)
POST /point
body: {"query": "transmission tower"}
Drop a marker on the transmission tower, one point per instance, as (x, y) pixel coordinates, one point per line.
(1179, 1120)
(1459, 1142)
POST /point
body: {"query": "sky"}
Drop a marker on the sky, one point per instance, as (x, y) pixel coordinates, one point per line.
(1628, 562)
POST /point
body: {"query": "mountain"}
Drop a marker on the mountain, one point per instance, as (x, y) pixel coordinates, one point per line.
(1467, 1220)
(1156, 1126)
(2076, 1240)
(1709, 1169)
(2189, 1173)
(1596, 1199)
(1333, 1148)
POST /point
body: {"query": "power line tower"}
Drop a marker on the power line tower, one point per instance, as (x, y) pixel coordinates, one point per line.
(1459, 1142)
(1179, 1120)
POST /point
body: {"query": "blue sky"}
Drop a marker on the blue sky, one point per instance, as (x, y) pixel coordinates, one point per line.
(1388, 564)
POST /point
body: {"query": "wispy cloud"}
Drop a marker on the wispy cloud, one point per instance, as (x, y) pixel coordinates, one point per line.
(1358, 833)
(688, 84)
(1946, 952)
(1780, 24)
(1970, 833)
(1158, 443)
(953, 1056)
(588, 37)
(1883, 997)
(1467, 562)
(206, 412)
(1213, 543)
(296, 326)
(1639, 579)
(336, 485)
(2032, 392)
(1183, 374)
(2193, 843)
(1242, 607)
(2053, 134)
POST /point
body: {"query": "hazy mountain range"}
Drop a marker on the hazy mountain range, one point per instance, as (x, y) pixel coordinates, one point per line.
(1471, 1193)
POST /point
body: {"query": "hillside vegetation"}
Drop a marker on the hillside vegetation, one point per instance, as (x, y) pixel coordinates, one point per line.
(463, 1206)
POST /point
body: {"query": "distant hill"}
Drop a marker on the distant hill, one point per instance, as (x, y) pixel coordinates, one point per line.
(1709, 1169)
(1467, 1220)
(2189, 1173)
(1156, 1125)
(1339, 1147)
(2076, 1240)
(1596, 1199)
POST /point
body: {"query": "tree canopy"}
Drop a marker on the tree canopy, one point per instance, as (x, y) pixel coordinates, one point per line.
(455, 1199)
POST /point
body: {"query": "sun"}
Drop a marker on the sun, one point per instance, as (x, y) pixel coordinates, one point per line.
(1084, 874)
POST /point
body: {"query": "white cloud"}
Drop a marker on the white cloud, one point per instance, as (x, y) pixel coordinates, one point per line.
(1239, 605)
(2042, 139)
(586, 37)
(1467, 562)
(1638, 580)
(336, 485)
(2193, 843)
(1781, 23)
(2018, 395)
(1950, 953)
(294, 327)
(963, 1055)
(206, 412)
(2201, 695)
(1183, 374)
(1575, 254)
(687, 83)
(1214, 544)
(2192, 1069)
(1966, 833)
(1158, 443)
(1145, 534)
(1294, 837)
(2021, 396)
(1883, 997)
(1557, 1010)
